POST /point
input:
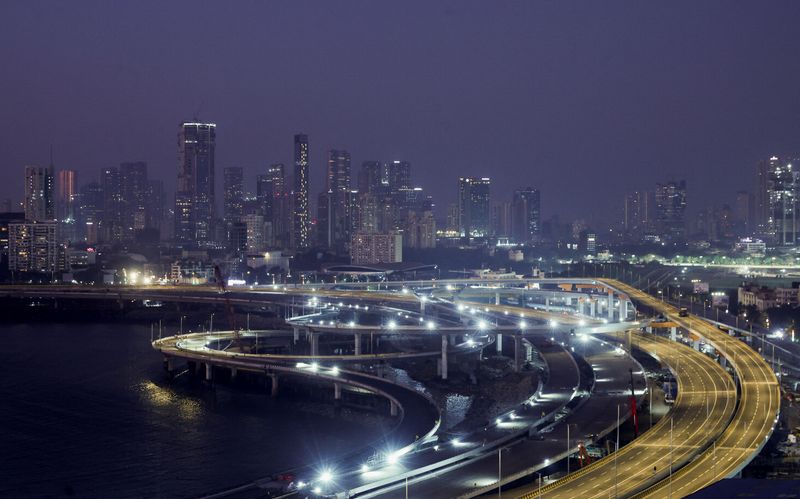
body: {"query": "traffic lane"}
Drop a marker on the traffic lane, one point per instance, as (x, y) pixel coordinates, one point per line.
(700, 378)
(521, 456)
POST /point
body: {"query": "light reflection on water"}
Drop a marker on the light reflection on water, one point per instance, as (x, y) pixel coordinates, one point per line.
(86, 409)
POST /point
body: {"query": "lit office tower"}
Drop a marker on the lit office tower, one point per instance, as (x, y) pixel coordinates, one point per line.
(474, 207)
(233, 180)
(372, 178)
(670, 210)
(155, 203)
(337, 230)
(782, 216)
(196, 144)
(113, 217)
(278, 212)
(301, 217)
(133, 187)
(526, 215)
(399, 175)
(39, 202)
(743, 213)
(761, 195)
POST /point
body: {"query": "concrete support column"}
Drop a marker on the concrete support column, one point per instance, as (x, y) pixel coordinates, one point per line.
(337, 391)
(497, 298)
(209, 372)
(547, 304)
(673, 333)
(296, 331)
(528, 351)
(444, 357)
(314, 339)
(623, 310)
(517, 353)
(422, 301)
(592, 308)
(234, 372)
(274, 390)
(611, 306)
(169, 364)
(392, 408)
(357, 339)
(453, 338)
(498, 340)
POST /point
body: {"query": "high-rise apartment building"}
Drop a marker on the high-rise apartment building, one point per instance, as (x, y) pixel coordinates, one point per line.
(113, 206)
(637, 212)
(134, 187)
(526, 215)
(301, 215)
(39, 195)
(474, 206)
(233, 185)
(33, 247)
(196, 151)
(671, 210)
(338, 226)
(376, 247)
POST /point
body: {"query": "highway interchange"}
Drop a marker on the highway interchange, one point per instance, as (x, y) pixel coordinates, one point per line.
(711, 433)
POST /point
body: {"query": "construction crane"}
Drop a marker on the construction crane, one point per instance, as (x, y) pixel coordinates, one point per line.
(228, 307)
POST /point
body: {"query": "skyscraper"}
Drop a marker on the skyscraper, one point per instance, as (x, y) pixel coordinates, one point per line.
(233, 180)
(338, 190)
(39, 201)
(398, 175)
(526, 215)
(196, 146)
(670, 209)
(474, 207)
(66, 195)
(301, 211)
(133, 188)
(113, 218)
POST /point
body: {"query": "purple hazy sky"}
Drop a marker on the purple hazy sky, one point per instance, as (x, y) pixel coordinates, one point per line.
(583, 100)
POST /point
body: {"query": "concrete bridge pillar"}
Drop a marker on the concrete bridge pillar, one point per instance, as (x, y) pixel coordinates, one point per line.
(314, 340)
(517, 353)
(234, 372)
(444, 357)
(296, 331)
(497, 298)
(547, 304)
(673, 333)
(209, 372)
(337, 391)
(623, 310)
(393, 408)
(169, 364)
(611, 306)
(592, 308)
(422, 301)
(498, 340)
(357, 340)
(453, 339)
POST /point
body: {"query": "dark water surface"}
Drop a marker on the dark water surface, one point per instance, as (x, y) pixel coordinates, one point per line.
(87, 411)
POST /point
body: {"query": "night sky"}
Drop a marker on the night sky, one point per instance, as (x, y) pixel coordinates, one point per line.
(583, 100)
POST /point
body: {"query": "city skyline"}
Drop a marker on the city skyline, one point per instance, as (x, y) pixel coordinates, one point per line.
(444, 122)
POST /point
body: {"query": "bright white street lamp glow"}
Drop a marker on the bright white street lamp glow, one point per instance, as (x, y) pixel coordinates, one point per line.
(314, 366)
(392, 325)
(523, 324)
(582, 323)
(352, 324)
(317, 490)
(431, 325)
(553, 324)
(335, 370)
(326, 476)
(498, 421)
(482, 325)
(470, 342)
(405, 291)
(364, 468)
(392, 458)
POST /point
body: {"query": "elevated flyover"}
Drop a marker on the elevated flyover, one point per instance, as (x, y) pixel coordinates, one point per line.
(705, 403)
(753, 421)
